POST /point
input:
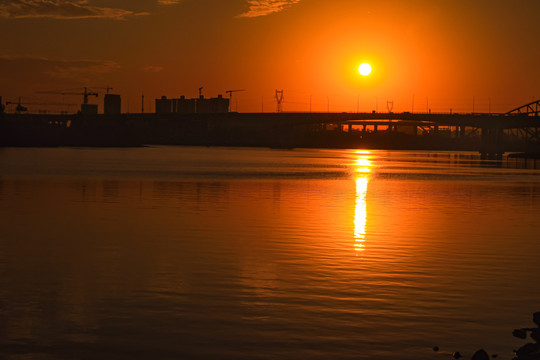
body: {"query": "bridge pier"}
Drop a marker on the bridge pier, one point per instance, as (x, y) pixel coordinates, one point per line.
(491, 146)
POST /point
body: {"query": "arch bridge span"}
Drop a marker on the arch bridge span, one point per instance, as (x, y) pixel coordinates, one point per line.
(522, 122)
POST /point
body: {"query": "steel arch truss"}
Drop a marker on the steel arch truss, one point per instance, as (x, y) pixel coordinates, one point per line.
(531, 109)
(529, 134)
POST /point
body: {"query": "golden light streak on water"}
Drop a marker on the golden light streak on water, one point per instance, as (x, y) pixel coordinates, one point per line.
(362, 152)
(363, 166)
(360, 214)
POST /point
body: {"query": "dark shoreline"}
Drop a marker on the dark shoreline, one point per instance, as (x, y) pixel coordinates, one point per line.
(230, 129)
(525, 155)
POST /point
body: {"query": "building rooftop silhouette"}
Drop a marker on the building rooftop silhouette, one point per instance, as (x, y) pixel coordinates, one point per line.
(199, 105)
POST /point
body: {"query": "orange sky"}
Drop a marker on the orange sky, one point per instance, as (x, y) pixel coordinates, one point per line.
(442, 53)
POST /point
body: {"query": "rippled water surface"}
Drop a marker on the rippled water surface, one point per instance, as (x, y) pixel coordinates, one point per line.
(216, 253)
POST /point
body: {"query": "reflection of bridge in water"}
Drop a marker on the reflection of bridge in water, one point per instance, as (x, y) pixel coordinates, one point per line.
(523, 121)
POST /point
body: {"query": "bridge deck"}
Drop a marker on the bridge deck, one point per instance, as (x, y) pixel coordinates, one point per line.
(479, 120)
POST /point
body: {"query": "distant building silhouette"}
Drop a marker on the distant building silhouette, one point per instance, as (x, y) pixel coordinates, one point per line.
(89, 109)
(190, 106)
(112, 104)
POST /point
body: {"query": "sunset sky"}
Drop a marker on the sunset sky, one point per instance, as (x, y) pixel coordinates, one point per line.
(439, 53)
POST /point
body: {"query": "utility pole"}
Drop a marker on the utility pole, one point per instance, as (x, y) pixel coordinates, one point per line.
(142, 104)
(390, 105)
(328, 103)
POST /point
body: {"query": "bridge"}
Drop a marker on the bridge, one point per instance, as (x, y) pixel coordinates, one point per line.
(265, 129)
(523, 121)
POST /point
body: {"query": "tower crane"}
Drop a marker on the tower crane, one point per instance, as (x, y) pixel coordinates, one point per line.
(20, 108)
(230, 92)
(107, 88)
(85, 94)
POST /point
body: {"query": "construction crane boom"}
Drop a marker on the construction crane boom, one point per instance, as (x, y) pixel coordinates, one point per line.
(20, 108)
(230, 92)
(39, 103)
(233, 91)
(85, 94)
(107, 88)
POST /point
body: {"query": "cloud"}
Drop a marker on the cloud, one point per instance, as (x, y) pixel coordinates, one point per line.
(60, 9)
(33, 72)
(168, 2)
(266, 7)
(80, 69)
(152, 68)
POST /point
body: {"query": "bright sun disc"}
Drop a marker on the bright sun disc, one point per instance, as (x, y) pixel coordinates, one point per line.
(364, 69)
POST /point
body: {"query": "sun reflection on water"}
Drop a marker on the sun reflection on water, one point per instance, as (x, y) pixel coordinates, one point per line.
(363, 167)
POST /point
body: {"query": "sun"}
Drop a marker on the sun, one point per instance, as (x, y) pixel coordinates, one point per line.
(364, 69)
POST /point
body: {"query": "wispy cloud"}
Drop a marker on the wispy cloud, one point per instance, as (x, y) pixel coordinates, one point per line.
(168, 2)
(80, 69)
(266, 7)
(60, 9)
(29, 71)
(152, 68)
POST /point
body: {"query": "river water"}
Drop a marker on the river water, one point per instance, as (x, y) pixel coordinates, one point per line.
(223, 253)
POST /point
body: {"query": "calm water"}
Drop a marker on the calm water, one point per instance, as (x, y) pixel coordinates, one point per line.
(215, 253)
